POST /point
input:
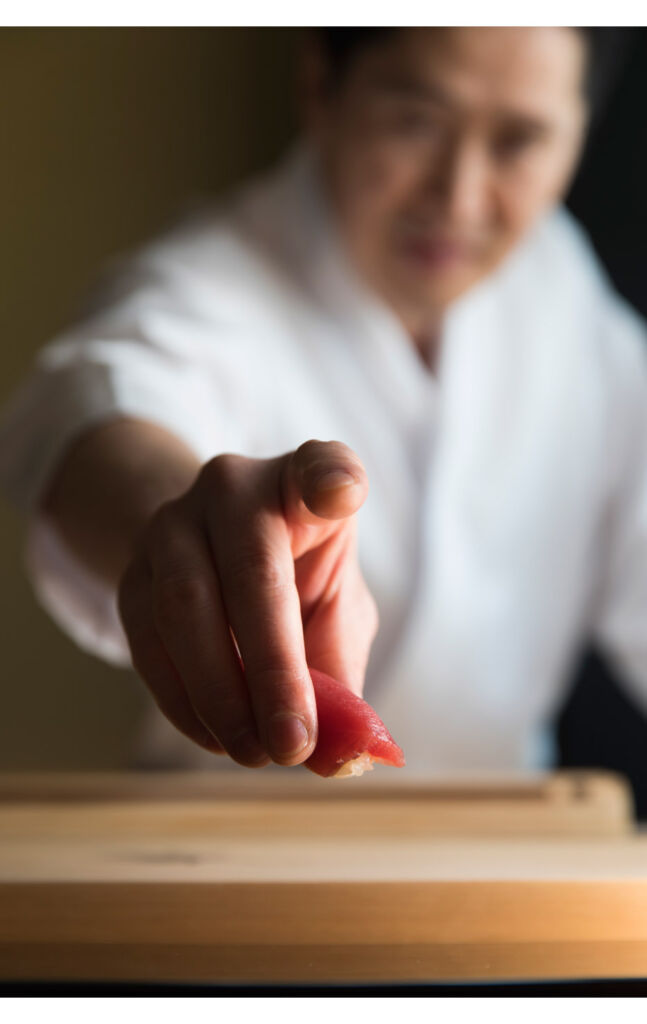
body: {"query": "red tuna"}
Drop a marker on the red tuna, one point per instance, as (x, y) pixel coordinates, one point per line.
(351, 734)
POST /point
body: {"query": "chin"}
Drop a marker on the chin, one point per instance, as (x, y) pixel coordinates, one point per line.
(436, 286)
(441, 291)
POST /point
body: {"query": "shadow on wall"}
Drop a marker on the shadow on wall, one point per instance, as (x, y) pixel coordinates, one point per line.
(108, 135)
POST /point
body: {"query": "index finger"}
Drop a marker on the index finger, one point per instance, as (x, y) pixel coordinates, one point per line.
(256, 574)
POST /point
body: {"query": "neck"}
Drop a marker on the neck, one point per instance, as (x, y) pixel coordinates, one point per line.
(425, 330)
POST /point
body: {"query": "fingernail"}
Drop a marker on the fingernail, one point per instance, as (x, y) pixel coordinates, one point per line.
(248, 750)
(288, 735)
(334, 479)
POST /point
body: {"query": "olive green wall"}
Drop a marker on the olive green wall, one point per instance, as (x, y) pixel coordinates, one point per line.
(107, 135)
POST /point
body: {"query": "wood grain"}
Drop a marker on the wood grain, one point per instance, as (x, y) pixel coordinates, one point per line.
(266, 884)
(562, 803)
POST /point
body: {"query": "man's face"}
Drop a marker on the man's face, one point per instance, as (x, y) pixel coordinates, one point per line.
(442, 146)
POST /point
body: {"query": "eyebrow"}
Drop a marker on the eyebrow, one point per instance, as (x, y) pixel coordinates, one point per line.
(401, 86)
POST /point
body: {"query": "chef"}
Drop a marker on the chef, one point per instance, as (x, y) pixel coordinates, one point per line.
(387, 383)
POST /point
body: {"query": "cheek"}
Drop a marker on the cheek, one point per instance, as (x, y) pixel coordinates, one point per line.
(530, 191)
(376, 181)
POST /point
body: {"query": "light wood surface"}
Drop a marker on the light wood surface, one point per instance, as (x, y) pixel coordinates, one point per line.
(561, 803)
(283, 877)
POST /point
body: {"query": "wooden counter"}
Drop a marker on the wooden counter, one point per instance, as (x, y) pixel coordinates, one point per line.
(282, 876)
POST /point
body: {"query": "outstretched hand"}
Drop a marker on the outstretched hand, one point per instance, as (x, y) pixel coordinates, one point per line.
(238, 585)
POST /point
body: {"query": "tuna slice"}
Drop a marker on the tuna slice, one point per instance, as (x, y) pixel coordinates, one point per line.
(351, 735)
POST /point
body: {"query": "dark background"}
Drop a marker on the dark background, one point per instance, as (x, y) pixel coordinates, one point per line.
(106, 136)
(599, 725)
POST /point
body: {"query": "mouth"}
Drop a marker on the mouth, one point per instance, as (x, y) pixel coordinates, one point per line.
(436, 253)
(434, 249)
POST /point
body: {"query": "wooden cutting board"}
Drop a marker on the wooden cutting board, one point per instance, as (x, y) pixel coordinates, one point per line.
(281, 876)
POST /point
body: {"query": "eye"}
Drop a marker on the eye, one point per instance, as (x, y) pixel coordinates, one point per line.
(514, 143)
(412, 123)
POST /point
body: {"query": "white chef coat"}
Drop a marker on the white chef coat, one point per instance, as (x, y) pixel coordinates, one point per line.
(506, 523)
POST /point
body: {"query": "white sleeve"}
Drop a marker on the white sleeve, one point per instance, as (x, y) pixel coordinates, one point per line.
(621, 608)
(146, 355)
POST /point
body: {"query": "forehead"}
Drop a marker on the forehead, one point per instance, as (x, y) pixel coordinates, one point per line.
(531, 70)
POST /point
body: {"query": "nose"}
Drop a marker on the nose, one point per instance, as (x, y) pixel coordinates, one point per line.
(458, 183)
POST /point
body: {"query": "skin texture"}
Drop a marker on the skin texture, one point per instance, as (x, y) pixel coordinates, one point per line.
(441, 148)
(265, 549)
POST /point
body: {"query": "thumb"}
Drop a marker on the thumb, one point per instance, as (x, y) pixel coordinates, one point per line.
(322, 480)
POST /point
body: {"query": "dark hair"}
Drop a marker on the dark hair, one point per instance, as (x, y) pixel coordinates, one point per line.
(341, 45)
(606, 48)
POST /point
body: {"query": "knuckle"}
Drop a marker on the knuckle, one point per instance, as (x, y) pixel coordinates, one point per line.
(180, 596)
(262, 568)
(215, 696)
(222, 472)
(162, 527)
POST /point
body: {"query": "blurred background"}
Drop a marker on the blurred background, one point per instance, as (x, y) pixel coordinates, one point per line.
(108, 135)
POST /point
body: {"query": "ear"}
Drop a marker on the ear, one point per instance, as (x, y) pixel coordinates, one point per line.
(314, 85)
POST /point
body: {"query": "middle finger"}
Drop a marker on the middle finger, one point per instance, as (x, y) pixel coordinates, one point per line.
(189, 617)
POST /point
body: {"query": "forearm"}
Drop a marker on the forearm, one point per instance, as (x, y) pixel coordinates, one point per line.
(109, 484)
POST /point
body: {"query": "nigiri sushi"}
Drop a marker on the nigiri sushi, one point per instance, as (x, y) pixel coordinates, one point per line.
(352, 736)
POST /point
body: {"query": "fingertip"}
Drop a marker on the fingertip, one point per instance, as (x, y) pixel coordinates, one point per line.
(247, 751)
(288, 736)
(328, 478)
(335, 493)
(335, 480)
